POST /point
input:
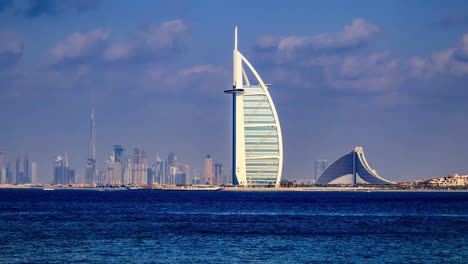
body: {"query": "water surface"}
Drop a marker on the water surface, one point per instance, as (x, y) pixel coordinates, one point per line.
(225, 227)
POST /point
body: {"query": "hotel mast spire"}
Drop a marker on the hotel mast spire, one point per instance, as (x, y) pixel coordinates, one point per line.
(235, 38)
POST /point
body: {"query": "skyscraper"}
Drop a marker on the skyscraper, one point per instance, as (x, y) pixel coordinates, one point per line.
(218, 177)
(62, 173)
(19, 170)
(91, 164)
(162, 172)
(113, 171)
(171, 159)
(208, 170)
(144, 168)
(172, 174)
(26, 171)
(100, 177)
(196, 177)
(152, 175)
(171, 162)
(128, 172)
(34, 172)
(119, 158)
(139, 167)
(159, 170)
(3, 174)
(59, 170)
(9, 174)
(118, 153)
(187, 173)
(257, 157)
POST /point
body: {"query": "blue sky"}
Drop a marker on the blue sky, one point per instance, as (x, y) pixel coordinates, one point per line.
(388, 75)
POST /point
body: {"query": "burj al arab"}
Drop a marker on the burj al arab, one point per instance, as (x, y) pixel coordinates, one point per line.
(257, 145)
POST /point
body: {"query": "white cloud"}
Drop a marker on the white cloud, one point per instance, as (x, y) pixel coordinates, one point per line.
(117, 51)
(164, 36)
(453, 61)
(200, 69)
(170, 80)
(80, 46)
(96, 46)
(295, 60)
(354, 35)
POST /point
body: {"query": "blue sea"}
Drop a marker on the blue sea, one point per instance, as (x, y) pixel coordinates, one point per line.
(138, 226)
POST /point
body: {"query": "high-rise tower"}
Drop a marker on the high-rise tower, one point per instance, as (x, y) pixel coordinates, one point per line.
(19, 170)
(26, 170)
(208, 170)
(218, 174)
(91, 164)
(34, 172)
(257, 158)
(3, 174)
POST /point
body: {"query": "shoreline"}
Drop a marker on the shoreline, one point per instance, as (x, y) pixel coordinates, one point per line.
(227, 189)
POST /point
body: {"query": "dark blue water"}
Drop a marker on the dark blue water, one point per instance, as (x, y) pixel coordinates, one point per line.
(228, 227)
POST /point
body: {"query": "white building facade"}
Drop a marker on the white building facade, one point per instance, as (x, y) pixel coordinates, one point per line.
(454, 180)
(257, 140)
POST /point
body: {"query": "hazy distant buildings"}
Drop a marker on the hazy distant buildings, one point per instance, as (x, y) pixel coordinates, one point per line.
(172, 171)
(172, 175)
(351, 169)
(6, 170)
(196, 177)
(151, 175)
(171, 162)
(100, 178)
(139, 167)
(208, 170)
(62, 173)
(10, 179)
(23, 171)
(187, 173)
(119, 158)
(113, 171)
(181, 177)
(3, 168)
(128, 172)
(19, 170)
(257, 140)
(161, 166)
(26, 171)
(171, 159)
(320, 166)
(118, 154)
(218, 174)
(34, 172)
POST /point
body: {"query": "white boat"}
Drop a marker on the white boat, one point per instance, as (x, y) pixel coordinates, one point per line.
(48, 189)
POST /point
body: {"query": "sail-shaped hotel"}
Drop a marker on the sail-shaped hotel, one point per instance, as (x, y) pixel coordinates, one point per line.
(257, 157)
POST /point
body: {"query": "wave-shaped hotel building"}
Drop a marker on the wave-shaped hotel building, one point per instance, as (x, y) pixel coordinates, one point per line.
(351, 169)
(257, 156)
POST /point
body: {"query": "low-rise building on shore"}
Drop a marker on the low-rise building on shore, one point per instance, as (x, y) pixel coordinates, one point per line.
(453, 180)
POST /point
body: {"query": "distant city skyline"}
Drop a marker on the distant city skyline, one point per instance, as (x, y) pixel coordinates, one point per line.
(390, 76)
